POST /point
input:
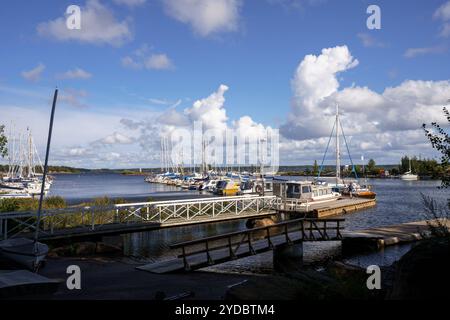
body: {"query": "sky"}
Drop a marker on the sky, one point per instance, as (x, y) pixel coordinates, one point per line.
(140, 68)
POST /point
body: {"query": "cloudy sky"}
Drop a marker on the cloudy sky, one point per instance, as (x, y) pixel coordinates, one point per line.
(139, 68)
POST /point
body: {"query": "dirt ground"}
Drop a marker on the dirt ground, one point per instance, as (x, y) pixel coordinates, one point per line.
(117, 278)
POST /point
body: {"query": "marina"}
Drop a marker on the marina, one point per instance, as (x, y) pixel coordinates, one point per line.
(184, 150)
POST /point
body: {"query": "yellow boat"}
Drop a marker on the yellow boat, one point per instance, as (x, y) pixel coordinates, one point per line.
(228, 188)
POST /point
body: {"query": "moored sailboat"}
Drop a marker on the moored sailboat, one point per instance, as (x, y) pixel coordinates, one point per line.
(409, 176)
(30, 252)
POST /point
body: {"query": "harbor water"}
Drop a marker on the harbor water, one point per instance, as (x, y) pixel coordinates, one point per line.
(397, 202)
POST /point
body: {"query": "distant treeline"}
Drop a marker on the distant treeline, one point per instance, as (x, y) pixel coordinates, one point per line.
(52, 169)
(423, 167)
(426, 168)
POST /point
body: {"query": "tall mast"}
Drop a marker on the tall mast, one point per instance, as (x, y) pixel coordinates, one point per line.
(30, 154)
(338, 152)
(44, 174)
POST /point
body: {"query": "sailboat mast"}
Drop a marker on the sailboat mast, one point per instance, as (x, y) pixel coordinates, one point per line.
(338, 152)
(30, 154)
(44, 174)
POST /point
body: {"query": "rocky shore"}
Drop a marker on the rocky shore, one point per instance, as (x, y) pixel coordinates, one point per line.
(419, 274)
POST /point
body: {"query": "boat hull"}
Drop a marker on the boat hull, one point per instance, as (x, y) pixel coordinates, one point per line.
(365, 194)
(24, 252)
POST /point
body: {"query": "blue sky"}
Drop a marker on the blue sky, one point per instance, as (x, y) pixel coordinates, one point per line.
(253, 47)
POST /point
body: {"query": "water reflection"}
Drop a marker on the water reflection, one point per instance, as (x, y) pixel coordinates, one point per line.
(397, 202)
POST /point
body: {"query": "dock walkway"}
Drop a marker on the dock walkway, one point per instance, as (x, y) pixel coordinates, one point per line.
(205, 253)
(235, 245)
(394, 234)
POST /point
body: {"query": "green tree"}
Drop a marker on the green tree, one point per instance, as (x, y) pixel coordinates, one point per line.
(404, 164)
(371, 166)
(3, 142)
(440, 140)
(315, 168)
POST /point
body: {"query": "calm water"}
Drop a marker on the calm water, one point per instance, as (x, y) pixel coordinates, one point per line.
(76, 188)
(397, 202)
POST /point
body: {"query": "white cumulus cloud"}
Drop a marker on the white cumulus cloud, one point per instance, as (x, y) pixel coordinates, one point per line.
(205, 17)
(158, 62)
(210, 110)
(314, 80)
(98, 26)
(373, 122)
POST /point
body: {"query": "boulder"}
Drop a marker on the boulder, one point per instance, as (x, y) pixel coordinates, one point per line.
(422, 273)
(258, 223)
(85, 248)
(104, 248)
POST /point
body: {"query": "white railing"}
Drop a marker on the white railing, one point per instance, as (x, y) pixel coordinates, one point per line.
(161, 212)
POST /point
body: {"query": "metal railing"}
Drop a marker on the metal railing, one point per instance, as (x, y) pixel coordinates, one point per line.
(93, 218)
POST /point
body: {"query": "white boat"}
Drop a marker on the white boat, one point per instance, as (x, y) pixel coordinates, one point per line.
(257, 186)
(210, 185)
(409, 176)
(22, 176)
(25, 252)
(17, 195)
(304, 193)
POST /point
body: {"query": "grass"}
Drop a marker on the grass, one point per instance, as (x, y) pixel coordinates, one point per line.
(80, 215)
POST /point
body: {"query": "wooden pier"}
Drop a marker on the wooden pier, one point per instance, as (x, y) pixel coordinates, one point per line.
(379, 237)
(209, 251)
(92, 222)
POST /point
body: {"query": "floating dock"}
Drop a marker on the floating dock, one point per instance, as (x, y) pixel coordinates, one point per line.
(321, 210)
(379, 237)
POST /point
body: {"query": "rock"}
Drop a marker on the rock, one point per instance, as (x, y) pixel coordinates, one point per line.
(342, 270)
(422, 273)
(352, 245)
(85, 248)
(63, 251)
(258, 223)
(103, 248)
(288, 258)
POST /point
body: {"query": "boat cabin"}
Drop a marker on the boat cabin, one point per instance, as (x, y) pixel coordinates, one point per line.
(304, 190)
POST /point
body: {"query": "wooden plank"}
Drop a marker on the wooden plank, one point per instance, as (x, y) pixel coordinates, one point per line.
(199, 261)
(394, 234)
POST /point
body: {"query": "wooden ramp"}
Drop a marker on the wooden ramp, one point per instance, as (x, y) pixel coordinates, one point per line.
(215, 250)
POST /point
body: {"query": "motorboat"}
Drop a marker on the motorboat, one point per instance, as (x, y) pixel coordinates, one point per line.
(356, 190)
(304, 193)
(227, 188)
(257, 186)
